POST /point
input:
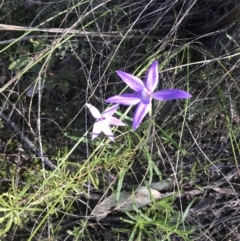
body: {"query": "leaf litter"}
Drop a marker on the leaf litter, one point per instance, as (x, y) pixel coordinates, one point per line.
(126, 202)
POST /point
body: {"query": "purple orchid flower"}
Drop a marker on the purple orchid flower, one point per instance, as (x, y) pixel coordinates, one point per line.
(104, 120)
(144, 92)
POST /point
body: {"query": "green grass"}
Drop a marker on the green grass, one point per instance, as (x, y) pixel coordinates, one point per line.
(190, 143)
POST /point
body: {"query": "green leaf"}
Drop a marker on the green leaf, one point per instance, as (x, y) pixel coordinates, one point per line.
(65, 86)
(19, 63)
(66, 74)
(50, 84)
(2, 219)
(39, 44)
(8, 225)
(36, 69)
(4, 209)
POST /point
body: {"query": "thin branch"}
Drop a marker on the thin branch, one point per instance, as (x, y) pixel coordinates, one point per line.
(27, 142)
(29, 37)
(6, 27)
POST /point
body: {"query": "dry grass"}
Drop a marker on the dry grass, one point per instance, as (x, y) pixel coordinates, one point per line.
(74, 49)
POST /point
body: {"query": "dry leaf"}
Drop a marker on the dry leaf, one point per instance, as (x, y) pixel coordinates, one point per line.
(2, 79)
(140, 198)
(161, 185)
(31, 3)
(3, 76)
(224, 190)
(34, 89)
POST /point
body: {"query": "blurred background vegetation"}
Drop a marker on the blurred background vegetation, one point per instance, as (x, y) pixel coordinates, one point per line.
(56, 55)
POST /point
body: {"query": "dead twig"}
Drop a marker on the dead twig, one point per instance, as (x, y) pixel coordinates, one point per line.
(113, 34)
(27, 142)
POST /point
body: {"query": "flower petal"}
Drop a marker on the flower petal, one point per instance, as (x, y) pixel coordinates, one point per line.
(106, 130)
(132, 81)
(124, 99)
(171, 94)
(141, 111)
(97, 128)
(145, 96)
(152, 77)
(94, 111)
(110, 111)
(114, 121)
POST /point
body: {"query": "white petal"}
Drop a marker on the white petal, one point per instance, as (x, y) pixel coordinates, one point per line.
(94, 111)
(97, 128)
(110, 111)
(114, 121)
(106, 130)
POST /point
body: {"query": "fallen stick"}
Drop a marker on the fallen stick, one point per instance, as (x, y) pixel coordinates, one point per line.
(27, 142)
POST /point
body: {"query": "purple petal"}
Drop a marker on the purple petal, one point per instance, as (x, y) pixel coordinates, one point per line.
(140, 113)
(125, 99)
(97, 128)
(115, 122)
(110, 111)
(152, 76)
(94, 111)
(132, 81)
(145, 96)
(171, 94)
(106, 130)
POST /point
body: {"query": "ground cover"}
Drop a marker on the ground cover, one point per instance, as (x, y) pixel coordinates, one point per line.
(176, 176)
